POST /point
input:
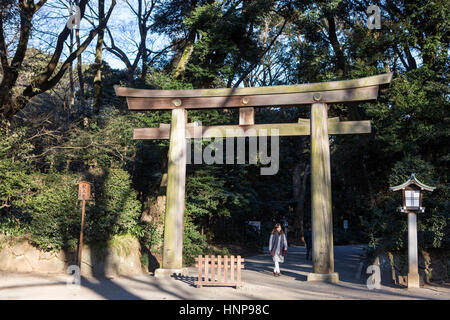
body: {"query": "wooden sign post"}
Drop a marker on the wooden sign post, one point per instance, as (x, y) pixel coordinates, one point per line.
(319, 127)
(84, 193)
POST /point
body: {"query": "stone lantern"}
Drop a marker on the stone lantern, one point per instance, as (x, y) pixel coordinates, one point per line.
(412, 190)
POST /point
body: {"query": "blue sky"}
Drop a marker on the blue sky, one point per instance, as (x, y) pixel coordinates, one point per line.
(123, 25)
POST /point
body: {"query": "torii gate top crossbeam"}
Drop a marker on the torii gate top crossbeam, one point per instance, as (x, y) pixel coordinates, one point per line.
(326, 92)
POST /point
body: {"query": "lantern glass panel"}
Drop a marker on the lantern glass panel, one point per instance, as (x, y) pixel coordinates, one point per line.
(412, 198)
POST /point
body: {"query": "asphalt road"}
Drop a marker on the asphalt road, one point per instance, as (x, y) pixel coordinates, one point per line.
(259, 283)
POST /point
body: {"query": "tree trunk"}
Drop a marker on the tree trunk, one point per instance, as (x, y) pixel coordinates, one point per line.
(71, 84)
(11, 70)
(99, 60)
(187, 52)
(299, 190)
(80, 74)
(341, 63)
(144, 63)
(50, 75)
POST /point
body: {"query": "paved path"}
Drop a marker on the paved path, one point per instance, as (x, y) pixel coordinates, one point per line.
(259, 284)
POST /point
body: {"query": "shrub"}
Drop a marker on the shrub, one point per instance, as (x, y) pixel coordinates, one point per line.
(54, 211)
(116, 209)
(149, 235)
(14, 165)
(194, 243)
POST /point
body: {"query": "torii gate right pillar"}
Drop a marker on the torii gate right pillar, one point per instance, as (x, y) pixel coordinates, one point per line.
(321, 215)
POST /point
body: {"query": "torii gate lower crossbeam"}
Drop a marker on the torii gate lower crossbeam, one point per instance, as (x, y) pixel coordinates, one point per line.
(319, 128)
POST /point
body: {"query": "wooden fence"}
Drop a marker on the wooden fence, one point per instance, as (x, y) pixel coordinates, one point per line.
(219, 271)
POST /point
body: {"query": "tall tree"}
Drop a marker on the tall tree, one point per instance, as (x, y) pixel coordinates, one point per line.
(11, 103)
(142, 10)
(99, 60)
(82, 94)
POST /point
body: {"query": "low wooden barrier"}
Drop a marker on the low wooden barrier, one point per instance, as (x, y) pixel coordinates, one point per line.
(210, 271)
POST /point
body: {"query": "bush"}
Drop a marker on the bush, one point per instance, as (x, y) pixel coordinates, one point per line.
(194, 243)
(116, 209)
(14, 165)
(149, 236)
(51, 211)
(54, 211)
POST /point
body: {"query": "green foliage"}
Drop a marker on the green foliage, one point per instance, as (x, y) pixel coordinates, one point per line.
(160, 80)
(14, 178)
(123, 244)
(116, 209)
(387, 226)
(103, 143)
(13, 164)
(51, 213)
(54, 211)
(193, 242)
(219, 55)
(12, 226)
(149, 236)
(403, 169)
(212, 197)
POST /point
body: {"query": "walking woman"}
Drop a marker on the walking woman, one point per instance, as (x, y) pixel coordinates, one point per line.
(277, 247)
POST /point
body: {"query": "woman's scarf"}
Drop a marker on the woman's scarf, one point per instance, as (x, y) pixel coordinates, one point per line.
(275, 237)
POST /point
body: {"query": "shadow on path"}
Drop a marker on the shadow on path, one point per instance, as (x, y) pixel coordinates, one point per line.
(34, 285)
(162, 285)
(186, 279)
(383, 292)
(108, 289)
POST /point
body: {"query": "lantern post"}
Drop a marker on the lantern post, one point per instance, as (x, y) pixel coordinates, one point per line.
(412, 204)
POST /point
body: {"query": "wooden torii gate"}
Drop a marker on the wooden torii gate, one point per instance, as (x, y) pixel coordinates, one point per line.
(319, 127)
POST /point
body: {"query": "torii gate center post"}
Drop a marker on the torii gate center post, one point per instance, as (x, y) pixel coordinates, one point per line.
(318, 127)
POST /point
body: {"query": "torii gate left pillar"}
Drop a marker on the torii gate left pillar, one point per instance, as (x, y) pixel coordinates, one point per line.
(175, 197)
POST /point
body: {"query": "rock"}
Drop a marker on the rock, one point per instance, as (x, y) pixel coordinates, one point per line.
(433, 266)
(110, 267)
(422, 277)
(120, 256)
(20, 248)
(32, 256)
(53, 265)
(86, 270)
(47, 255)
(6, 257)
(424, 259)
(402, 280)
(21, 264)
(439, 272)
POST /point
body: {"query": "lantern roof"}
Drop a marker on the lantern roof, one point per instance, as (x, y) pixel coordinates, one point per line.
(412, 180)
